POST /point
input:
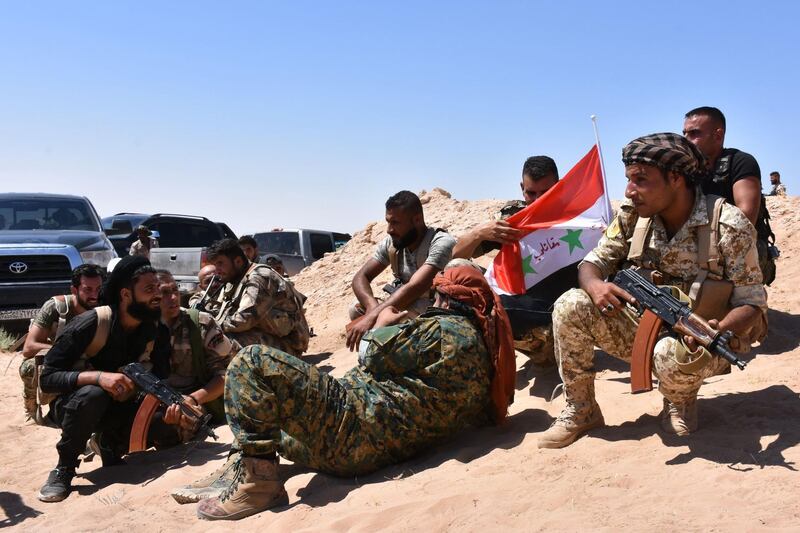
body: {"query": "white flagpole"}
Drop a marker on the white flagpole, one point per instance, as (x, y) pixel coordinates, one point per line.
(602, 170)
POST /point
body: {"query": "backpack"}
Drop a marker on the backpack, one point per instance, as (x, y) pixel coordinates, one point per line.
(765, 239)
(99, 340)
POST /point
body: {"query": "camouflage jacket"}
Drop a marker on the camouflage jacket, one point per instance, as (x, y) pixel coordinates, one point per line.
(676, 258)
(219, 350)
(265, 308)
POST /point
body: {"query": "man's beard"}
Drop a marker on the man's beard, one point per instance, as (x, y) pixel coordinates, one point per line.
(142, 311)
(86, 305)
(405, 240)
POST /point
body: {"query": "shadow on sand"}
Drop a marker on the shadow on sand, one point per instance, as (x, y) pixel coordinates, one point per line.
(731, 427)
(15, 509)
(142, 468)
(464, 447)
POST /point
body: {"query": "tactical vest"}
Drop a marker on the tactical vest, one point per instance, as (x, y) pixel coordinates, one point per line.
(421, 253)
(767, 252)
(710, 298)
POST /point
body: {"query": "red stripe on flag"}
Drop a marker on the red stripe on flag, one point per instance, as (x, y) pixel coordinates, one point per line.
(572, 195)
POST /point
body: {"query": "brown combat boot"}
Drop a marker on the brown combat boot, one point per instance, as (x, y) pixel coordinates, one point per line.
(571, 424)
(209, 486)
(679, 419)
(256, 487)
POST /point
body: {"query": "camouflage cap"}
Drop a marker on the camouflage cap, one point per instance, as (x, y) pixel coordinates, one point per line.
(667, 151)
(144, 229)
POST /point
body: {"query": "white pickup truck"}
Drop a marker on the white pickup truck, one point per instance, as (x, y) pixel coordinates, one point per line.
(298, 248)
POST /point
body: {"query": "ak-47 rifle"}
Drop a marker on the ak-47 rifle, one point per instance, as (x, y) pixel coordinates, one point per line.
(657, 306)
(164, 394)
(210, 292)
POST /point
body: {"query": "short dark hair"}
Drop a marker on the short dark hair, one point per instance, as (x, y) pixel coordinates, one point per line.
(164, 272)
(775, 173)
(89, 271)
(405, 200)
(712, 112)
(247, 240)
(228, 247)
(138, 273)
(539, 166)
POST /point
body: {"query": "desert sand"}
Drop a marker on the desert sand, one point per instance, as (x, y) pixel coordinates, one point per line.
(737, 473)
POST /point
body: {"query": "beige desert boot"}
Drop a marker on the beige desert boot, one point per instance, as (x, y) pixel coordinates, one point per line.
(679, 419)
(571, 424)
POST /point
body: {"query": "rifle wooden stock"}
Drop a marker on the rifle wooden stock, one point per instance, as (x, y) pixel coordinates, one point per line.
(141, 424)
(642, 354)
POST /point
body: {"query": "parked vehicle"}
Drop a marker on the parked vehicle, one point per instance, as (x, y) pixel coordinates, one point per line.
(182, 240)
(42, 238)
(298, 248)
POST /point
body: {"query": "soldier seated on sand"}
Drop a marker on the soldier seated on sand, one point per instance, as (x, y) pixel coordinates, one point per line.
(199, 355)
(530, 314)
(257, 305)
(416, 383)
(48, 324)
(662, 170)
(414, 252)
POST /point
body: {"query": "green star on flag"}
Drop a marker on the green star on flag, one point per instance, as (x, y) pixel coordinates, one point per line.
(573, 238)
(526, 265)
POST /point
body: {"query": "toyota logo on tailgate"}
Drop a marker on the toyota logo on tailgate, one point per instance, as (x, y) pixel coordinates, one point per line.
(17, 267)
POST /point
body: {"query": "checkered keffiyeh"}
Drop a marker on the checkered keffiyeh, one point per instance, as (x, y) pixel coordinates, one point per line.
(667, 151)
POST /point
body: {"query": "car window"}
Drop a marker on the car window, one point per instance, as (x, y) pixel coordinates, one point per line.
(278, 242)
(173, 234)
(321, 243)
(46, 214)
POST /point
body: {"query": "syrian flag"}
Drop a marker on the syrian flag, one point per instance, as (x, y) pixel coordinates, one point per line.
(559, 229)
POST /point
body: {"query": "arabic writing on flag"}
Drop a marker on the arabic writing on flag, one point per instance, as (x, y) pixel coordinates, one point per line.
(559, 229)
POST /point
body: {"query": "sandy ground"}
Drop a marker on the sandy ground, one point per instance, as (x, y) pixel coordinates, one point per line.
(737, 473)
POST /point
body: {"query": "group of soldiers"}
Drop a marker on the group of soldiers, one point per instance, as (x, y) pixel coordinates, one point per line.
(436, 349)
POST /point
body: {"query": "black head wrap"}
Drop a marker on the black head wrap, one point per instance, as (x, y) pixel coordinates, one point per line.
(667, 151)
(120, 276)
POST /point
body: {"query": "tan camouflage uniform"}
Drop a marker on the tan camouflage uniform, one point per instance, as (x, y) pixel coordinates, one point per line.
(778, 189)
(416, 383)
(268, 311)
(579, 325)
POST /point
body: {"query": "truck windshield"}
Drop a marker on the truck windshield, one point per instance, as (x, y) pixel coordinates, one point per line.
(46, 214)
(278, 242)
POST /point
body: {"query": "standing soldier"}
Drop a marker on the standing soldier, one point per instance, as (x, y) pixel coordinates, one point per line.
(662, 226)
(258, 305)
(778, 188)
(144, 243)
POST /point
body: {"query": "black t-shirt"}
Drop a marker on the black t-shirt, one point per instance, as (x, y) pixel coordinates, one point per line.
(120, 349)
(732, 166)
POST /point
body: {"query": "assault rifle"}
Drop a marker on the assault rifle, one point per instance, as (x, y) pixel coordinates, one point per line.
(657, 306)
(165, 394)
(208, 294)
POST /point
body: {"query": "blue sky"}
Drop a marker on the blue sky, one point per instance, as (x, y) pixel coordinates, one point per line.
(310, 114)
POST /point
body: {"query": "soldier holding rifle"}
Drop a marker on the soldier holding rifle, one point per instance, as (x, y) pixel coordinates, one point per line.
(677, 236)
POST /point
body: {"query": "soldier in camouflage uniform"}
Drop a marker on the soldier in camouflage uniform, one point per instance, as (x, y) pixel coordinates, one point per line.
(258, 305)
(48, 323)
(778, 188)
(200, 377)
(660, 169)
(539, 175)
(416, 383)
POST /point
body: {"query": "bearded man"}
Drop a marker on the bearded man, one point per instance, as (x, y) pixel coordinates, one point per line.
(92, 395)
(415, 253)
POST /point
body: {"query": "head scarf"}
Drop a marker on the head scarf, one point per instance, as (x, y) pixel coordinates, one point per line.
(466, 285)
(122, 274)
(667, 151)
